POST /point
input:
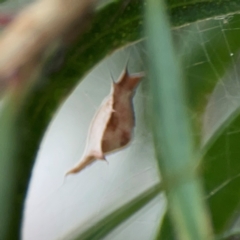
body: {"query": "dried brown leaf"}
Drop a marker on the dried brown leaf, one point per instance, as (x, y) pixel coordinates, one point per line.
(112, 126)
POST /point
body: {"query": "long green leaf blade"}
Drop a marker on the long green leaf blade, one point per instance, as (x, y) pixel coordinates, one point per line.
(172, 132)
(8, 168)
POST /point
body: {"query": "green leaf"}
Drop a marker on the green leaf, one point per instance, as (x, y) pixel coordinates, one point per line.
(220, 167)
(221, 173)
(207, 51)
(166, 230)
(8, 168)
(171, 130)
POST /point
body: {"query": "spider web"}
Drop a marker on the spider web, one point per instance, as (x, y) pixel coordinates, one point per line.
(51, 212)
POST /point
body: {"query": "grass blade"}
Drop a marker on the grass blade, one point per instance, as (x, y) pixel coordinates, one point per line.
(172, 132)
(8, 165)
